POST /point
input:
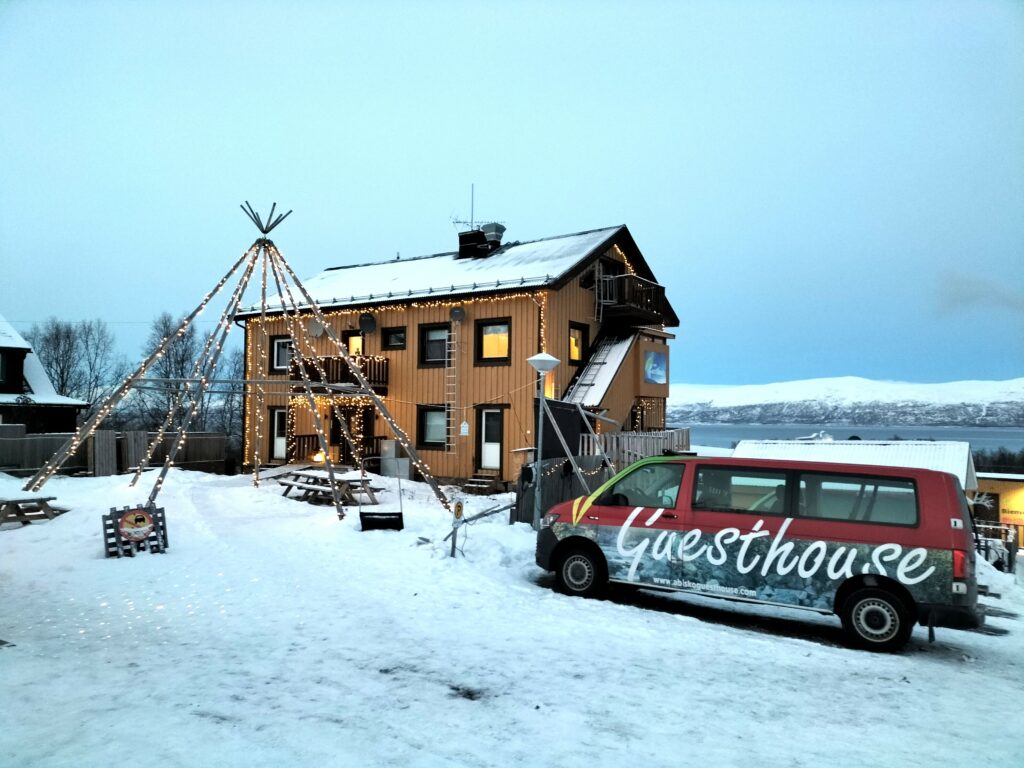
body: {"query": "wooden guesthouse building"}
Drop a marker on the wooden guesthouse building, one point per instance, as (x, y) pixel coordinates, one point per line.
(444, 340)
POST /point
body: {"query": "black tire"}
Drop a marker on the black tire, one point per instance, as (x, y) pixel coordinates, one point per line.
(876, 620)
(582, 572)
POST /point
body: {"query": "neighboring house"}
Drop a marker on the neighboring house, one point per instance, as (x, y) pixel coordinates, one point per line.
(26, 394)
(444, 339)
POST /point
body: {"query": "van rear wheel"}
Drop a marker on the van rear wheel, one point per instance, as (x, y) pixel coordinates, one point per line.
(581, 572)
(876, 620)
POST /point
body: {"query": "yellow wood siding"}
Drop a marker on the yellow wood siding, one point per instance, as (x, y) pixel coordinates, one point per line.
(539, 322)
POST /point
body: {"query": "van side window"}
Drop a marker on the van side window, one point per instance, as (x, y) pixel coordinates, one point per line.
(858, 499)
(740, 490)
(650, 485)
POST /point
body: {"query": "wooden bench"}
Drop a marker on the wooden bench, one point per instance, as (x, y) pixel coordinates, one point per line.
(27, 509)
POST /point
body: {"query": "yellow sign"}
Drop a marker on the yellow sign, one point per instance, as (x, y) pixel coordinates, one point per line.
(458, 510)
(1011, 516)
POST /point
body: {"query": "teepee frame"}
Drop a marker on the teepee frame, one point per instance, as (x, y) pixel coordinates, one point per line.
(262, 253)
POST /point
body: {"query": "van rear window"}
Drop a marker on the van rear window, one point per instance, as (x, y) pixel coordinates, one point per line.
(858, 499)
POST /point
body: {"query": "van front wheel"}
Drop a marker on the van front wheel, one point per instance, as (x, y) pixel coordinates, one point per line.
(581, 572)
(876, 620)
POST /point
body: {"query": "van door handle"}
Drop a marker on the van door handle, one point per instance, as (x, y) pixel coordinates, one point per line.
(670, 516)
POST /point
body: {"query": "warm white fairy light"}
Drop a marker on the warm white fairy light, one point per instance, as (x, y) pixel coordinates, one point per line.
(91, 425)
(357, 373)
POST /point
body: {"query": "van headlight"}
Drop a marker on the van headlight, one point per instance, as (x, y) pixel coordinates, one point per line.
(548, 519)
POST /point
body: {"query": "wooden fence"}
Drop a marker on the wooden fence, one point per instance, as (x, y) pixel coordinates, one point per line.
(624, 448)
(107, 452)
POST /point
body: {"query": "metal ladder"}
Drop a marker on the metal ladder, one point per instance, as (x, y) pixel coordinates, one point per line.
(451, 385)
(589, 375)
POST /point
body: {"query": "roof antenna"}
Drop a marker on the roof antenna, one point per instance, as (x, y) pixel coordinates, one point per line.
(472, 224)
(271, 221)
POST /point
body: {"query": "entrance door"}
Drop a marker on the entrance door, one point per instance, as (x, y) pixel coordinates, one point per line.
(490, 438)
(279, 434)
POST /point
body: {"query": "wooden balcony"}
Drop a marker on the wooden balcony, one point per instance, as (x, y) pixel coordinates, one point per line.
(631, 300)
(374, 368)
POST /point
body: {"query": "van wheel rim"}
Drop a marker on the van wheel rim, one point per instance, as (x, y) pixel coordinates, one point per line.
(578, 572)
(876, 620)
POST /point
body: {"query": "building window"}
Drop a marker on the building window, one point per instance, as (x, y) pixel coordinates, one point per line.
(494, 341)
(281, 351)
(578, 342)
(3, 367)
(433, 345)
(431, 427)
(393, 338)
(353, 341)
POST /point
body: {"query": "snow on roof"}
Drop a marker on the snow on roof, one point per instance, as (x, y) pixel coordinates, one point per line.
(10, 338)
(514, 265)
(41, 391)
(942, 455)
(1001, 476)
(591, 387)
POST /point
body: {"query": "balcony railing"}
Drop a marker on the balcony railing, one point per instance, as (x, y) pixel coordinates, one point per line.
(374, 368)
(631, 299)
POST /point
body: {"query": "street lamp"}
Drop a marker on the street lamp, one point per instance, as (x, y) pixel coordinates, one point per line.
(542, 363)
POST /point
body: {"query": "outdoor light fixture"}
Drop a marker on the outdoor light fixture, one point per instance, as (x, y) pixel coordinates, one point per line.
(542, 363)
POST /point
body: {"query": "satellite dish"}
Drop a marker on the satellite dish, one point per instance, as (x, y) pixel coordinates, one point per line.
(367, 323)
(315, 328)
(458, 314)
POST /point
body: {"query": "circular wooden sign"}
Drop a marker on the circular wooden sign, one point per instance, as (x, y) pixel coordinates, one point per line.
(135, 525)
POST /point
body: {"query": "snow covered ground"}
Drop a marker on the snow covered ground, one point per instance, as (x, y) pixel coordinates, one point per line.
(271, 634)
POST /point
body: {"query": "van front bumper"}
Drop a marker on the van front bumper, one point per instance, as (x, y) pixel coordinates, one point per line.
(546, 543)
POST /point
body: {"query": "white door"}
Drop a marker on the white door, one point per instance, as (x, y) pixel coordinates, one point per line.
(279, 431)
(490, 439)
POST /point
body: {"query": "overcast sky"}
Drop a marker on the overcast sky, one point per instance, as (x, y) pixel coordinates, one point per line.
(824, 188)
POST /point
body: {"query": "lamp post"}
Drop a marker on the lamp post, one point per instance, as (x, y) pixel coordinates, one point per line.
(542, 363)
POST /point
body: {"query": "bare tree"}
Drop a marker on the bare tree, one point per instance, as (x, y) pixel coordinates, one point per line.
(176, 363)
(58, 347)
(78, 358)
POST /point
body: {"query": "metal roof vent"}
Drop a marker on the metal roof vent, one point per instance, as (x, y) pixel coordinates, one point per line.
(493, 233)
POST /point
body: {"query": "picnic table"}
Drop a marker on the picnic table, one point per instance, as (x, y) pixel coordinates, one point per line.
(314, 485)
(25, 509)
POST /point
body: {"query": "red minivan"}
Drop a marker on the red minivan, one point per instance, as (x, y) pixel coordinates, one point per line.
(881, 547)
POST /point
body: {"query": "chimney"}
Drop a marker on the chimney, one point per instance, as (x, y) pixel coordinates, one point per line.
(480, 243)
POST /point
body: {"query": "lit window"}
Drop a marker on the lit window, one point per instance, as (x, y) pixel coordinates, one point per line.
(577, 343)
(494, 341)
(353, 341)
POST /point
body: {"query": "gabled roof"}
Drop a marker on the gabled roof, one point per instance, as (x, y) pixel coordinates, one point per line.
(943, 455)
(10, 338)
(41, 391)
(513, 266)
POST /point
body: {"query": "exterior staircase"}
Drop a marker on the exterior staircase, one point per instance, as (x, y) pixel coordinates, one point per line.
(485, 481)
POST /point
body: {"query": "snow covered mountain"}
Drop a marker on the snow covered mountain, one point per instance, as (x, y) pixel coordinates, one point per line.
(851, 400)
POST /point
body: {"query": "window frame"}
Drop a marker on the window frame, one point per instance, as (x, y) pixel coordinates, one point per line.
(385, 334)
(421, 335)
(478, 341)
(421, 423)
(347, 336)
(584, 347)
(272, 361)
(607, 498)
